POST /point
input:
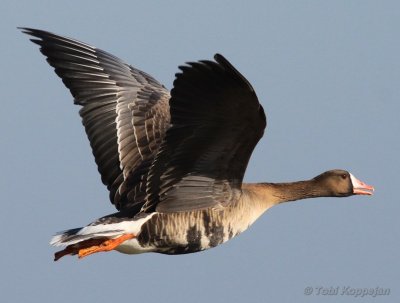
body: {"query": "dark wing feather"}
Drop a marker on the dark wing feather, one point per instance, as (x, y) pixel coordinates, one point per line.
(125, 111)
(216, 122)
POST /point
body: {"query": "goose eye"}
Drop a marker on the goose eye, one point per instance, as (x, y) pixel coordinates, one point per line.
(344, 176)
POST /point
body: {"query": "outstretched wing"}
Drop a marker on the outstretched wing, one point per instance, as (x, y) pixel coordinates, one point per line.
(216, 123)
(125, 111)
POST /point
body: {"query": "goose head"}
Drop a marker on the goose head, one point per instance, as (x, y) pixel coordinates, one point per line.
(341, 183)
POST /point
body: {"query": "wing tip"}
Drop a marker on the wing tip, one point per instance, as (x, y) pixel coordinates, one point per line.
(220, 59)
(44, 37)
(31, 31)
(24, 29)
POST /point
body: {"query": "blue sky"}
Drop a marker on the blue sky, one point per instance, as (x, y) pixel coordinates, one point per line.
(327, 74)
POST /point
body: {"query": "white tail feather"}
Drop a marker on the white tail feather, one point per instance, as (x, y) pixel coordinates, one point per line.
(102, 230)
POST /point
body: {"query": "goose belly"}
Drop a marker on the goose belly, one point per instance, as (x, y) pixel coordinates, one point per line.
(189, 232)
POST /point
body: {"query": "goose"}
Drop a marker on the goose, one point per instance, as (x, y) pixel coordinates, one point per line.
(173, 162)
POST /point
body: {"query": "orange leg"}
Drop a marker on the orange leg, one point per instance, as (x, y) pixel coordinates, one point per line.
(106, 245)
(91, 246)
(69, 250)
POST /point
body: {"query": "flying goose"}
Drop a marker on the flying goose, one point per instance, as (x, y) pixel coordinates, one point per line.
(172, 161)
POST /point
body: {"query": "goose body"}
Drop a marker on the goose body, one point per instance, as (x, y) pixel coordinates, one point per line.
(173, 161)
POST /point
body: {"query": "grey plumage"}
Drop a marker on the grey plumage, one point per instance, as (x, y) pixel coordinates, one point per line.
(124, 111)
(216, 123)
(156, 152)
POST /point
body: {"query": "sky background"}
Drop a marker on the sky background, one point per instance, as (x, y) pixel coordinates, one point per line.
(327, 74)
